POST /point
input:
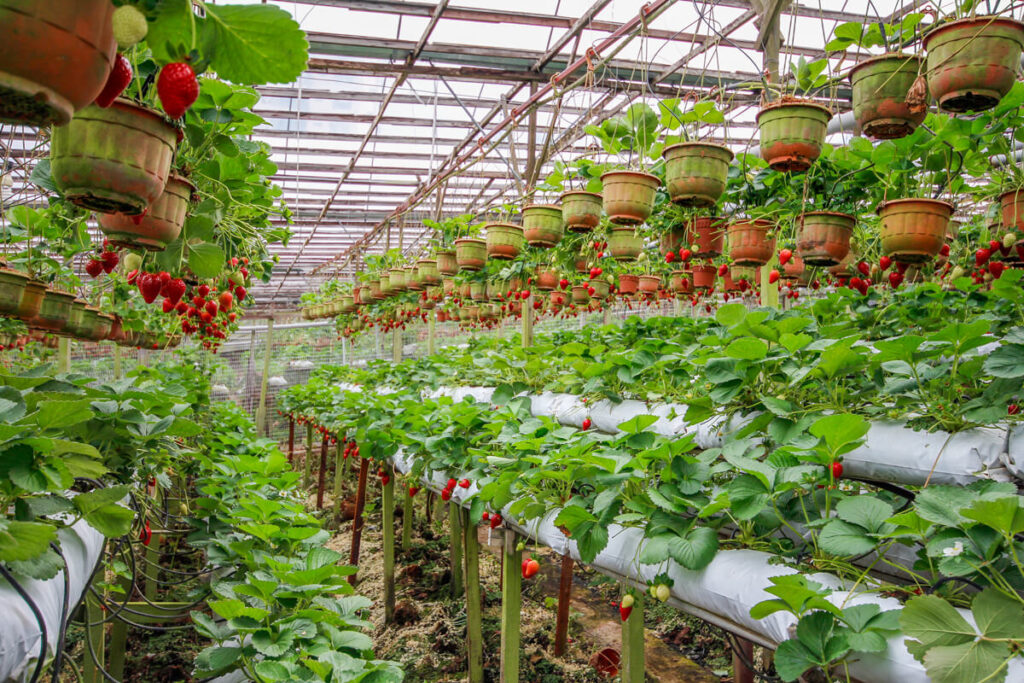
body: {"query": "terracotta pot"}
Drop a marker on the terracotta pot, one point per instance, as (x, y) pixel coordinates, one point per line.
(504, 240)
(446, 262)
(375, 291)
(749, 244)
(31, 300)
(695, 172)
(629, 196)
(628, 283)
(348, 304)
(880, 87)
(649, 283)
(114, 159)
(846, 267)
(448, 286)
(470, 253)
(396, 280)
(557, 299)
(581, 264)
(707, 233)
(116, 333)
(601, 288)
(413, 281)
(672, 240)
(973, 62)
(159, 226)
(580, 295)
(581, 211)
(496, 290)
(478, 291)
(729, 284)
(12, 290)
(547, 279)
(55, 58)
(681, 282)
(794, 270)
(914, 230)
(1011, 210)
(824, 237)
(54, 311)
(624, 244)
(792, 134)
(465, 290)
(542, 225)
(751, 275)
(704, 277)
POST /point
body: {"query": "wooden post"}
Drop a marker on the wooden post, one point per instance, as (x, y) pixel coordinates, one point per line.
(474, 618)
(339, 462)
(740, 672)
(769, 290)
(431, 331)
(407, 513)
(94, 615)
(261, 411)
(527, 308)
(511, 603)
(455, 542)
(396, 347)
(118, 366)
(633, 644)
(291, 440)
(430, 507)
(564, 600)
(357, 521)
(388, 514)
(63, 355)
(307, 469)
(321, 475)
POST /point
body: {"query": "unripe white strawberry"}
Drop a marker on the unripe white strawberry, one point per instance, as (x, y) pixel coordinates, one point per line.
(1009, 239)
(130, 26)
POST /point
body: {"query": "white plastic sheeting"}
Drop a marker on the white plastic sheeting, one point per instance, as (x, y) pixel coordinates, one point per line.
(891, 452)
(19, 631)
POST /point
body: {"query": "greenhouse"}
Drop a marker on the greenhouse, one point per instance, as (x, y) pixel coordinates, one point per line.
(469, 341)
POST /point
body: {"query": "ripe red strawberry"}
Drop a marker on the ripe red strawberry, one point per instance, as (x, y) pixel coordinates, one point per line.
(982, 256)
(110, 260)
(149, 287)
(723, 270)
(586, 423)
(385, 480)
(181, 308)
(117, 81)
(231, 317)
(446, 494)
(495, 520)
(203, 290)
(884, 263)
(837, 470)
(226, 301)
(464, 484)
(563, 283)
(685, 254)
(530, 568)
(206, 317)
(773, 276)
(240, 293)
(784, 256)
(168, 305)
(451, 483)
(178, 88)
(995, 245)
(996, 268)
(895, 279)
(670, 257)
(1012, 409)
(864, 269)
(211, 308)
(94, 267)
(174, 289)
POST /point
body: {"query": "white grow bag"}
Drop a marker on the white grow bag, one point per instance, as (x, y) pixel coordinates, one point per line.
(19, 631)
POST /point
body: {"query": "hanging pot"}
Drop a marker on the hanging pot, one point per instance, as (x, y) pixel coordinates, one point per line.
(649, 283)
(1011, 210)
(465, 289)
(628, 283)
(376, 290)
(748, 274)
(914, 230)
(707, 235)
(542, 225)
(31, 301)
(794, 271)
(427, 270)
(581, 264)
(695, 172)
(629, 196)
(624, 244)
(478, 291)
(504, 240)
(448, 286)
(704, 277)
(581, 211)
(672, 240)
(557, 300)
(601, 288)
(846, 266)
(792, 134)
(386, 288)
(55, 58)
(880, 88)
(12, 290)
(396, 280)
(749, 244)
(470, 253)
(412, 279)
(973, 62)
(53, 311)
(729, 284)
(547, 279)
(446, 263)
(348, 304)
(824, 237)
(75, 325)
(157, 227)
(580, 295)
(114, 159)
(680, 282)
(496, 290)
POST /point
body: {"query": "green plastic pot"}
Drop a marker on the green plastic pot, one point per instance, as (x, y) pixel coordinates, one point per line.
(55, 58)
(629, 196)
(792, 134)
(113, 160)
(12, 290)
(504, 240)
(478, 291)
(581, 211)
(580, 294)
(377, 289)
(624, 244)
(161, 224)
(542, 225)
(31, 300)
(53, 311)
(824, 237)
(446, 263)
(427, 271)
(412, 280)
(914, 230)
(695, 172)
(749, 244)
(973, 62)
(880, 87)
(396, 278)
(470, 253)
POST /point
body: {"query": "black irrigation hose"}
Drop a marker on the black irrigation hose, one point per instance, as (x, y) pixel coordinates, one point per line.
(58, 661)
(949, 579)
(39, 620)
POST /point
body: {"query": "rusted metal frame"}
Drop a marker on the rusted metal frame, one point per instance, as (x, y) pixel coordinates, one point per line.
(291, 440)
(564, 600)
(586, 20)
(321, 478)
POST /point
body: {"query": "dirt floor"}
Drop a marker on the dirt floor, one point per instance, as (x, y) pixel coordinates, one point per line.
(428, 638)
